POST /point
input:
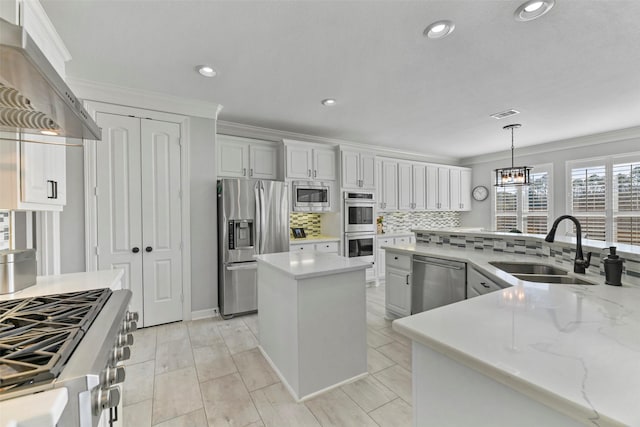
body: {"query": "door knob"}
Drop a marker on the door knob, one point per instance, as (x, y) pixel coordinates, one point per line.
(135, 250)
(148, 249)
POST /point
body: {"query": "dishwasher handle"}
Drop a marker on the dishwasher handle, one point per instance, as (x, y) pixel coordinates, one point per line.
(243, 266)
(439, 264)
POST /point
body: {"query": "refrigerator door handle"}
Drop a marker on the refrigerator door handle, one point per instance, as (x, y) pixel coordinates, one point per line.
(262, 219)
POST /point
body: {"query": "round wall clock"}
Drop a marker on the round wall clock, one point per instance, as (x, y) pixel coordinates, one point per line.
(480, 193)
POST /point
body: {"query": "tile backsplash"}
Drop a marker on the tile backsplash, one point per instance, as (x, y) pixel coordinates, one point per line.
(4, 230)
(309, 221)
(402, 221)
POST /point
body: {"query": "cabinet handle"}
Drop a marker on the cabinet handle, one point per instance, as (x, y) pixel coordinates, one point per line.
(309, 173)
(408, 279)
(135, 250)
(485, 285)
(244, 171)
(52, 196)
(315, 173)
(148, 249)
(55, 189)
(395, 257)
(251, 172)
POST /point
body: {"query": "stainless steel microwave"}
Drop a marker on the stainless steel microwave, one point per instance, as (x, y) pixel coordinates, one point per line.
(311, 196)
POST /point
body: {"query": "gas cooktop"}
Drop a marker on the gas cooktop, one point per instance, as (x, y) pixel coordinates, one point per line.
(39, 334)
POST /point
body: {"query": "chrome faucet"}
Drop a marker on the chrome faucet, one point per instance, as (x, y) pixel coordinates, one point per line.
(580, 264)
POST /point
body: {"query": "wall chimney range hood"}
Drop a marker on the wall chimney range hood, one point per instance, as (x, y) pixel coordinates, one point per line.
(33, 97)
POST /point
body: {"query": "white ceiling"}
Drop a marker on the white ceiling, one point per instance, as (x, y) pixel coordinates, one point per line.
(574, 71)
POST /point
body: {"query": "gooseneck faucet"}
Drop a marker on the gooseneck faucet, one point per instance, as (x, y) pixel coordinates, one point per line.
(579, 264)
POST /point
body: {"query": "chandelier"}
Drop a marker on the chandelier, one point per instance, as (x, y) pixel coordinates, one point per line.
(515, 175)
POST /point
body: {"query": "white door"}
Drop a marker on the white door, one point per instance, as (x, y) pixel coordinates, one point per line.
(161, 222)
(398, 291)
(390, 185)
(233, 157)
(324, 165)
(419, 187)
(454, 189)
(404, 186)
(368, 170)
(299, 162)
(432, 188)
(350, 169)
(263, 162)
(35, 185)
(119, 202)
(443, 189)
(57, 172)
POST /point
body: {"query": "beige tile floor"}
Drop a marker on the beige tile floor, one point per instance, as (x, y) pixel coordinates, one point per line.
(209, 373)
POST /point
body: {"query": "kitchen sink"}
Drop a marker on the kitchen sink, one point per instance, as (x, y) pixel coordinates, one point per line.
(528, 268)
(549, 278)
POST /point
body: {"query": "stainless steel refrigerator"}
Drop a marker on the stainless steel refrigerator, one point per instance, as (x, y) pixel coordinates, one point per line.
(253, 218)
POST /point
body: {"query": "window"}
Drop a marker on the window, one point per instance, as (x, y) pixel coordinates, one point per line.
(525, 208)
(605, 197)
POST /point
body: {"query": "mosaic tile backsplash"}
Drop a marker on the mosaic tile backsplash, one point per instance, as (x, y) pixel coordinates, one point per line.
(562, 253)
(4, 230)
(402, 221)
(309, 221)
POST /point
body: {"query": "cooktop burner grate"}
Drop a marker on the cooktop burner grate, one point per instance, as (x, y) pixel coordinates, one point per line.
(39, 334)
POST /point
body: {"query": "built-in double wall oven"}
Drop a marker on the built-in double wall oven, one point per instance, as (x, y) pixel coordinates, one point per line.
(359, 226)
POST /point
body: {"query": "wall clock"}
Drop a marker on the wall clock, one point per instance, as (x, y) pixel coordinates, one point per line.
(480, 193)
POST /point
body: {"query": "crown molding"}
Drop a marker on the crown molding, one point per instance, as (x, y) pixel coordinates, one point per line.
(114, 94)
(249, 131)
(618, 135)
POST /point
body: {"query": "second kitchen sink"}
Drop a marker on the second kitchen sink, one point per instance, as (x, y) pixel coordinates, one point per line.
(528, 268)
(548, 278)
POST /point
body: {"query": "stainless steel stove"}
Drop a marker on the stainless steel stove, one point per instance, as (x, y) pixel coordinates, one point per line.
(74, 340)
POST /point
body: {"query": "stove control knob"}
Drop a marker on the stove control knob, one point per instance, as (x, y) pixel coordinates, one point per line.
(105, 399)
(119, 354)
(129, 326)
(124, 339)
(131, 316)
(113, 376)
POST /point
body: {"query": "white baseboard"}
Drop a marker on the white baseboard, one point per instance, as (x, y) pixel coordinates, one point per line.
(205, 314)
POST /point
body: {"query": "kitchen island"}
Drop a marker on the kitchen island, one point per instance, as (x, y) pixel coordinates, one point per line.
(312, 319)
(531, 354)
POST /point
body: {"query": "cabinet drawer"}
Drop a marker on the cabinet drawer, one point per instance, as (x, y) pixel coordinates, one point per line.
(480, 283)
(384, 241)
(301, 247)
(327, 247)
(396, 260)
(403, 240)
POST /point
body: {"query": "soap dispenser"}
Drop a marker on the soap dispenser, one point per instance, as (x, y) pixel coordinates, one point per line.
(613, 268)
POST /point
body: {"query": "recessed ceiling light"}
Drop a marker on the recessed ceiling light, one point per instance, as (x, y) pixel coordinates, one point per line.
(206, 70)
(328, 102)
(533, 9)
(49, 132)
(439, 29)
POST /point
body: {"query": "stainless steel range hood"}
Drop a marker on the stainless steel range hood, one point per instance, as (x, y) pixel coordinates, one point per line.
(33, 97)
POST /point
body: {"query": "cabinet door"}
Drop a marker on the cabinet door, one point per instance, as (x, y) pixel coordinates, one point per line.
(368, 170)
(419, 187)
(233, 157)
(432, 188)
(324, 165)
(398, 291)
(36, 187)
(454, 189)
(57, 172)
(404, 186)
(299, 162)
(443, 189)
(379, 185)
(263, 160)
(390, 185)
(465, 190)
(350, 169)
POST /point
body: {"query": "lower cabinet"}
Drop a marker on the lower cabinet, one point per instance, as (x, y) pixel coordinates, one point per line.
(328, 247)
(397, 285)
(479, 284)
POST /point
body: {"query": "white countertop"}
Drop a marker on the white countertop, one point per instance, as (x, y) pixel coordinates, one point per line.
(394, 234)
(72, 282)
(573, 347)
(314, 239)
(311, 264)
(36, 410)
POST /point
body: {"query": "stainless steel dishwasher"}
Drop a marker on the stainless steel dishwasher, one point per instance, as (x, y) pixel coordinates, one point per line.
(437, 282)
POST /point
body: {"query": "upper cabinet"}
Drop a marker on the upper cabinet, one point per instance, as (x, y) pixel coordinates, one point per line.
(32, 176)
(387, 186)
(460, 189)
(358, 170)
(437, 188)
(411, 186)
(308, 161)
(247, 158)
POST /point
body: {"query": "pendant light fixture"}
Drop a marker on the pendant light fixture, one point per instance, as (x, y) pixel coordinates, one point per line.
(515, 175)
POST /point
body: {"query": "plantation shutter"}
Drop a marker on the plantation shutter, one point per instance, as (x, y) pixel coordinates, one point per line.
(588, 199)
(536, 212)
(506, 208)
(626, 202)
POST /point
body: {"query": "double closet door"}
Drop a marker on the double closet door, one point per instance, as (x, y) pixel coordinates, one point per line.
(139, 212)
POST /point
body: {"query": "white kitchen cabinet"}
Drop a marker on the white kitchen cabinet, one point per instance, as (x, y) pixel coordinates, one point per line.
(246, 158)
(358, 170)
(437, 188)
(405, 186)
(387, 177)
(398, 285)
(460, 189)
(310, 161)
(327, 247)
(389, 241)
(478, 283)
(32, 176)
(419, 183)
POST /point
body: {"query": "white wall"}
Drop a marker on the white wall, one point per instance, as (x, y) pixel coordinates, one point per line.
(556, 153)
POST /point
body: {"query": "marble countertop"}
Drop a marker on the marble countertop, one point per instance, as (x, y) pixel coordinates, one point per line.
(311, 264)
(575, 348)
(314, 239)
(72, 282)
